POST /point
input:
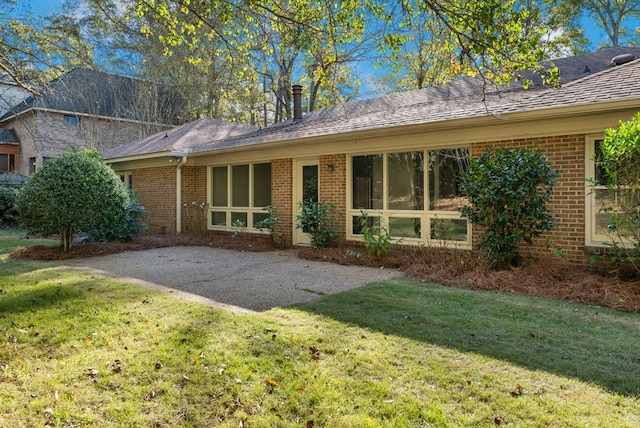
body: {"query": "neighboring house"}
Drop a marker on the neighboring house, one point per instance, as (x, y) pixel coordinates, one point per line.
(83, 109)
(396, 157)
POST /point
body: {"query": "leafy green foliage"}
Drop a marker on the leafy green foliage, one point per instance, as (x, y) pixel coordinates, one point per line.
(269, 222)
(378, 244)
(8, 211)
(508, 189)
(73, 193)
(317, 219)
(619, 159)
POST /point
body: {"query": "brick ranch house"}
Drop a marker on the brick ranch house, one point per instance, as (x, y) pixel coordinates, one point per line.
(396, 157)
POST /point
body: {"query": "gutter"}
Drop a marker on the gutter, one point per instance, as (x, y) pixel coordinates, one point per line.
(181, 163)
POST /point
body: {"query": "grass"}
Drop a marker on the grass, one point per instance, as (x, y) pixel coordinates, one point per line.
(83, 350)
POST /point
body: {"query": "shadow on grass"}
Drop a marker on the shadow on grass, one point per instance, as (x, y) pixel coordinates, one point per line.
(588, 343)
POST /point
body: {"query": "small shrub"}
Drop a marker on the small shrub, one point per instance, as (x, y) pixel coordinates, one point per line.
(8, 210)
(317, 219)
(269, 222)
(238, 227)
(508, 190)
(378, 244)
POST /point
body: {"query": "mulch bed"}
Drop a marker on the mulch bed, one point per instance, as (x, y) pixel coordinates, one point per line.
(549, 279)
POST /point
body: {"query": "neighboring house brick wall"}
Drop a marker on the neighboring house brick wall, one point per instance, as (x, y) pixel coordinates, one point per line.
(156, 188)
(567, 203)
(333, 188)
(282, 199)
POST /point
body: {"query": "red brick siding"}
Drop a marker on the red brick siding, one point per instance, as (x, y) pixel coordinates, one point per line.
(282, 199)
(333, 187)
(156, 188)
(194, 198)
(566, 154)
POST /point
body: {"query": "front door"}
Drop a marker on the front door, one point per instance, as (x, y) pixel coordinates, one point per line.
(306, 189)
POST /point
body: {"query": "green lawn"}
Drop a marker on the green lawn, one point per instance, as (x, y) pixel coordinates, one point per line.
(82, 350)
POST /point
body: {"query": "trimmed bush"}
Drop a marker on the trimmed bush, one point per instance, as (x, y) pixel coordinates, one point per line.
(8, 210)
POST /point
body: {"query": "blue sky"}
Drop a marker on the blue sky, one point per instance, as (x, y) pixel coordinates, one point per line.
(43, 7)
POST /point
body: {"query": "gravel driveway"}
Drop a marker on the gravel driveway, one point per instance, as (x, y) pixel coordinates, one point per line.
(236, 281)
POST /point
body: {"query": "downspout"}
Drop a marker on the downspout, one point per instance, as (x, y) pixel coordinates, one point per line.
(181, 163)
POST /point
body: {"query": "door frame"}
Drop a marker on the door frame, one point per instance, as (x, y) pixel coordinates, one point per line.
(299, 237)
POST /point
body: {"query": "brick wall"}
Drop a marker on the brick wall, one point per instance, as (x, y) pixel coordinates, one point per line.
(156, 188)
(333, 188)
(281, 198)
(567, 203)
(194, 199)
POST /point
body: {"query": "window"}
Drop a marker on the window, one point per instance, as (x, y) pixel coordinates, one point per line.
(127, 179)
(32, 165)
(71, 120)
(414, 194)
(600, 198)
(239, 192)
(7, 162)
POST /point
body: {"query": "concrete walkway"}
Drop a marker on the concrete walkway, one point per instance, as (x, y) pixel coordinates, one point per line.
(233, 280)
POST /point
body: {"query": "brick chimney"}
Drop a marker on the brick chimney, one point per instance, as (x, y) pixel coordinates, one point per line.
(297, 102)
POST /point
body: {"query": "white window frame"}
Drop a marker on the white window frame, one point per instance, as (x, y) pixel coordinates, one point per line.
(229, 209)
(425, 215)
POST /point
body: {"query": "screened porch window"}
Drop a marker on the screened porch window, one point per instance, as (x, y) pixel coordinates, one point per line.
(239, 193)
(414, 195)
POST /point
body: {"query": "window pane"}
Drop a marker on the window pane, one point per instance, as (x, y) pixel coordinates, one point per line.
(310, 183)
(4, 163)
(610, 202)
(240, 186)
(218, 218)
(258, 217)
(262, 185)
(405, 175)
(219, 177)
(400, 227)
(600, 174)
(372, 222)
(449, 229)
(239, 216)
(444, 168)
(12, 162)
(367, 182)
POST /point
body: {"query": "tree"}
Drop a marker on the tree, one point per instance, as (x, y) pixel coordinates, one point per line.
(488, 35)
(73, 193)
(508, 189)
(619, 161)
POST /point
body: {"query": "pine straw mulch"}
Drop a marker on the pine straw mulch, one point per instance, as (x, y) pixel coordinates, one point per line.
(552, 279)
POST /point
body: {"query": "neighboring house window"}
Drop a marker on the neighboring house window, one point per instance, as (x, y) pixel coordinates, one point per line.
(414, 195)
(32, 165)
(239, 192)
(127, 179)
(599, 197)
(71, 120)
(7, 162)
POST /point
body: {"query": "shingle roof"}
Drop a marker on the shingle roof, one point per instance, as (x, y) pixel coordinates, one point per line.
(460, 99)
(181, 138)
(433, 105)
(7, 136)
(94, 93)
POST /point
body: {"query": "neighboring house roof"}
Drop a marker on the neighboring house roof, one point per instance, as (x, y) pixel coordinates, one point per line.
(463, 99)
(181, 138)
(7, 136)
(89, 92)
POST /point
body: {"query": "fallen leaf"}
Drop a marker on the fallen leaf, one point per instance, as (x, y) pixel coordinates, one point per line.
(92, 373)
(497, 420)
(150, 395)
(310, 424)
(158, 365)
(271, 382)
(315, 353)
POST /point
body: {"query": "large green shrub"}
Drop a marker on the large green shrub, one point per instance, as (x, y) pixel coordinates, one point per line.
(8, 211)
(619, 159)
(508, 189)
(73, 193)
